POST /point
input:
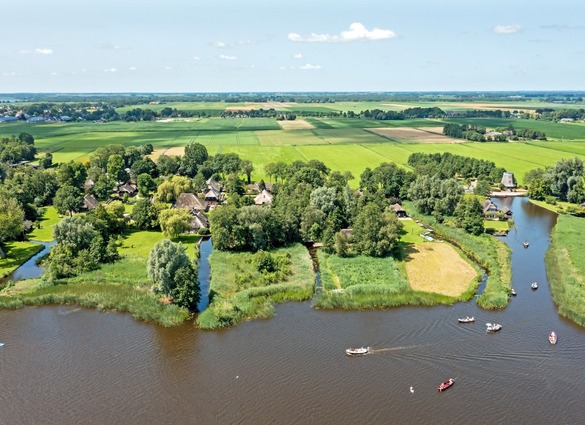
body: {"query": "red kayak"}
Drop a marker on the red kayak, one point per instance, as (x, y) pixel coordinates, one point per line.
(447, 384)
(552, 338)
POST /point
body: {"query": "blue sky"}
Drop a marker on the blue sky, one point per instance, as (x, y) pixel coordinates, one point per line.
(300, 45)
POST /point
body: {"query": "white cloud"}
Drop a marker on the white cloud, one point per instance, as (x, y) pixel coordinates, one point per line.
(227, 58)
(110, 70)
(310, 66)
(219, 44)
(197, 58)
(132, 68)
(298, 56)
(507, 29)
(356, 32)
(37, 51)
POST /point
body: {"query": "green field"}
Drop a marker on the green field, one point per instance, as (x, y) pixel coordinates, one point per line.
(342, 144)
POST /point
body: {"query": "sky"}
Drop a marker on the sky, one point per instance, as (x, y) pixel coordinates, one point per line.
(71, 46)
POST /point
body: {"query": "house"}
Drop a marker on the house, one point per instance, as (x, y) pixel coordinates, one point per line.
(400, 212)
(256, 187)
(191, 202)
(263, 198)
(89, 183)
(212, 195)
(508, 180)
(90, 202)
(199, 221)
(506, 211)
(566, 120)
(129, 189)
(490, 210)
(214, 184)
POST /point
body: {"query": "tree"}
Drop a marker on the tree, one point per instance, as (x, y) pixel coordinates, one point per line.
(174, 221)
(172, 273)
(170, 189)
(195, 155)
(375, 233)
(11, 219)
(71, 174)
(145, 184)
(117, 168)
(103, 186)
(168, 165)
(469, 215)
(482, 188)
(145, 215)
(144, 166)
(46, 161)
(248, 167)
(68, 200)
(74, 232)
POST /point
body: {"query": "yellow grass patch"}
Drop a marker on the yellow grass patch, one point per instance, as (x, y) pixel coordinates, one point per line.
(295, 125)
(414, 135)
(177, 151)
(438, 267)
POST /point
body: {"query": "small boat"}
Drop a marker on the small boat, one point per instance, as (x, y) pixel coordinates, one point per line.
(467, 319)
(493, 327)
(447, 384)
(552, 338)
(525, 244)
(513, 292)
(534, 285)
(357, 351)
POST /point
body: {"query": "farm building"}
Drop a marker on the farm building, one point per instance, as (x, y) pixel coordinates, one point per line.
(400, 212)
(90, 202)
(127, 188)
(263, 198)
(508, 180)
(199, 221)
(212, 195)
(190, 202)
(490, 210)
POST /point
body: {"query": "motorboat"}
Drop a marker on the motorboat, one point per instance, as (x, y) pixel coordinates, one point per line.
(467, 319)
(525, 244)
(357, 351)
(513, 292)
(534, 285)
(447, 384)
(493, 327)
(552, 338)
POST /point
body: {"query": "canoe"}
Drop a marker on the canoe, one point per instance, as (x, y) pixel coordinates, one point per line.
(447, 384)
(466, 319)
(552, 338)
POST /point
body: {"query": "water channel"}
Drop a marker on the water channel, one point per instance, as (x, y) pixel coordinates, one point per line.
(70, 365)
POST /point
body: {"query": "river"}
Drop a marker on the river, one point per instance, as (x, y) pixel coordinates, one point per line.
(70, 365)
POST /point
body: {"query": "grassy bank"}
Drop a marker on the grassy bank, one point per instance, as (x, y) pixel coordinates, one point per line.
(17, 253)
(565, 267)
(488, 252)
(238, 292)
(121, 286)
(362, 282)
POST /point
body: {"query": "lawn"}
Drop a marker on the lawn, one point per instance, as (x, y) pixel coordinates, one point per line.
(16, 254)
(498, 226)
(44, 232)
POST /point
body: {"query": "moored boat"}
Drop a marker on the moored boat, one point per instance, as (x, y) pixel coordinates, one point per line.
(447, 384)
(513, 292)
(493, 327)
(552, 338)
(525, 244)
(357, 351)
(534, 285)
(467, 319)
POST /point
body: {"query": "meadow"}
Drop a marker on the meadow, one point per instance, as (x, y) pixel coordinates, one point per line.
(342, 144)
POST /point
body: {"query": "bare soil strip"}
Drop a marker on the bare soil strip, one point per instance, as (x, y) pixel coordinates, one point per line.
(415, 135)
(438, 267)
(295, 125)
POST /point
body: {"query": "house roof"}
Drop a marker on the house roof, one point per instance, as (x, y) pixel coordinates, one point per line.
(90, 202)
(199, 221)
(212, 193)
(508, 179)
(256, 186)
(263, 197)
(128, 188)
(214, 184)
(397, 208)
(191, 202)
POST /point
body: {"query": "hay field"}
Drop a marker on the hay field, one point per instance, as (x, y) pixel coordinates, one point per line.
(438, 268)
(297, 124)
(413, 135)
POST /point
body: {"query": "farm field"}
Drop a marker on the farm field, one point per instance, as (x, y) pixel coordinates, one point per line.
(342, 144)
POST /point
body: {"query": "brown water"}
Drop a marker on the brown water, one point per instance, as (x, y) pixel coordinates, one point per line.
(64, 365)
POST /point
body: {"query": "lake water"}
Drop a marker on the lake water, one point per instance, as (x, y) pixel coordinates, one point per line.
(66, 365)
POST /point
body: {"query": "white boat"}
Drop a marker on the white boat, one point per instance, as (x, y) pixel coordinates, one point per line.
(357, 351)
(493, 327)
(513, 292)
(552, 338)
(467, 319)
(525, 244)
(534, 285)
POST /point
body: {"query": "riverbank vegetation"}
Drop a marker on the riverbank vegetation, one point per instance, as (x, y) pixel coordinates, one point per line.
(565, 267)
(244, 285)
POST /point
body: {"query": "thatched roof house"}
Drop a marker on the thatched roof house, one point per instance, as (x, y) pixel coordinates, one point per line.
(127, 188)
(199, 221)
(90, 202)
(191, 202)
(214, 184)
(508, 180)
(263, 198)
(490, 210)
(400, 212)
(212, 195)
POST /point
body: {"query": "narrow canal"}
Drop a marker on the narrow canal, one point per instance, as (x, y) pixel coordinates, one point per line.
(70, 365)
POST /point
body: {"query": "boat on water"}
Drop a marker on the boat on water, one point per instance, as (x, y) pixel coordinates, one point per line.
(525, 244)
(493, 327)
(513, 292)
(534, 285)
(357, 351)
(467, 319)
(447, 384)
(552, 338)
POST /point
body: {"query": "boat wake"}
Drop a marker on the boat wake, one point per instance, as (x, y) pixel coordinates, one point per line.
(383, 350)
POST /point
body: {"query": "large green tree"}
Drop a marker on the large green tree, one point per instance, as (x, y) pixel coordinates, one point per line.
(195, 155)
(68, 200)
(375, 233)
(174, 221)
(11, 219)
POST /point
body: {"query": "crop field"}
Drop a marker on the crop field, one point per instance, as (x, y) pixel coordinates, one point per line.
(342, 144)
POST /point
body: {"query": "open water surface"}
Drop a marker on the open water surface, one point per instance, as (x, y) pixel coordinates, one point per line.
(66, 365)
